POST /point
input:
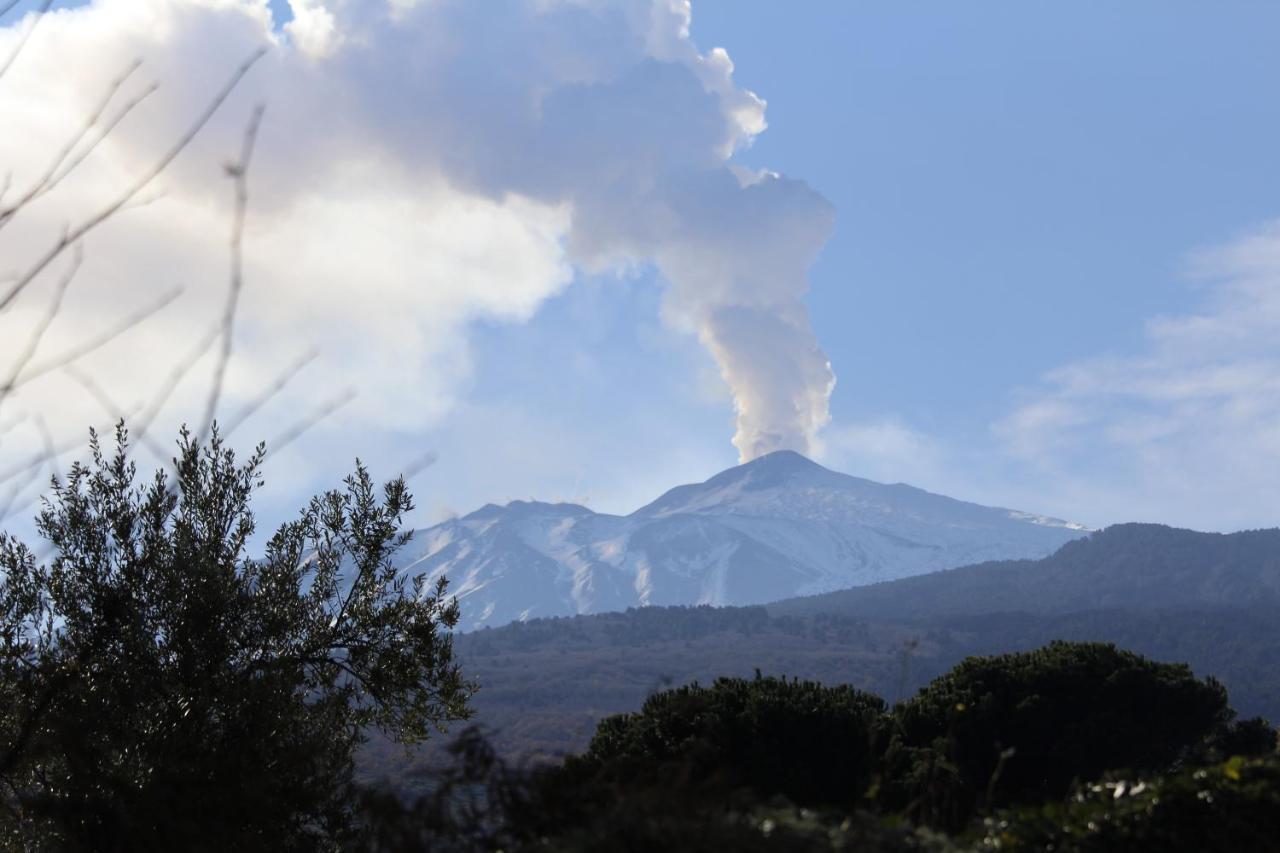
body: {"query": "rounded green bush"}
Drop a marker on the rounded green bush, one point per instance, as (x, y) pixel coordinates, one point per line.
(1021, 728)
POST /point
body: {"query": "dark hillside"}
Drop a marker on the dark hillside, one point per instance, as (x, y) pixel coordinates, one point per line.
(1136, 566)
(1173, 595)
(547, 683)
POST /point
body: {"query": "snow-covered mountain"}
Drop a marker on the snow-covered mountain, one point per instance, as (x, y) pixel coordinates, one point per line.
(776, 527)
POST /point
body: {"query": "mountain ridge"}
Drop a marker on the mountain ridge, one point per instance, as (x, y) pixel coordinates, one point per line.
(1134, 565)
(778, 526)
(548, 681)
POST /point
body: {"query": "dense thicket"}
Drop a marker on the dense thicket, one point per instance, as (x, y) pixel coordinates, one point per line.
(740, 764)
(1228, 807)
(810, 743)
(1024, 727)
(549, 682)
(161, 690)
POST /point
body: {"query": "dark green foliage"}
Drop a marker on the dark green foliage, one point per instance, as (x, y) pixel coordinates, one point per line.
(1022, 728)
(1248, 738)
(473, 802)
(673, 827)
(1240, 646)
(814, 745)
(163, 691)
(477, 803)
(692, 770)
(768, 764)
(548, 682)
(1232, 807)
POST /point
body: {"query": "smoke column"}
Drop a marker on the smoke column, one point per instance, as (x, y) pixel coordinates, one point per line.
(567, 133)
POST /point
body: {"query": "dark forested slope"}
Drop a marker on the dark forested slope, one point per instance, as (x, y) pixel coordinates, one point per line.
(1206, 599)
(1132, 566)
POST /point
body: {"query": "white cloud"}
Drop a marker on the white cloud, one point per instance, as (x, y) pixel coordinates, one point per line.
(313, 29)
(422, 166)
(1186, 431)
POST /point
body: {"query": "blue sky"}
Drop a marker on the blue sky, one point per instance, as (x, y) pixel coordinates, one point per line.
(1018, 184)
(1049, 282)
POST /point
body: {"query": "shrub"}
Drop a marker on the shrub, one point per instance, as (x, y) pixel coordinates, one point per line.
(813, 744)
(160, 689)
(1232, 807)
(1022, 728)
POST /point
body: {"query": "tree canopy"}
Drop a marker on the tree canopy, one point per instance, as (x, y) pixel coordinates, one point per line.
(807, 741)
(1024, 727)
(164, 689)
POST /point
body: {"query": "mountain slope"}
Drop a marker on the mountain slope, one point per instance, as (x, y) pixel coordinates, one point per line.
(1210, 600)
(1142, 566)
(777, 527)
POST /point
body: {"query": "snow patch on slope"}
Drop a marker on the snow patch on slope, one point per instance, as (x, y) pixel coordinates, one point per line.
(776, 527)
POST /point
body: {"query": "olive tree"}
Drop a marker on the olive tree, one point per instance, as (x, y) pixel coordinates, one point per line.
(163, 688)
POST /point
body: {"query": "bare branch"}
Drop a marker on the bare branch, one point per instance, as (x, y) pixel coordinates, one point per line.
(77, 233)
(49, 457)
(7, 504)
(49, 453)
(34, 461)
(59, 167)
(46, 437)
(114, 411)
(294, 432)
(174, 379)
(417, 466)
(26, 37)
(37, 333)
(268, 393)
(20, 468)
(85, 347)
(9, 427)
(238, 171)
(7, 6)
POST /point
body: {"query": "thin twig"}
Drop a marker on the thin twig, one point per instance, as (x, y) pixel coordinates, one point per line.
(20, 468)
(7, 6)
(418, 465)
(238, 171)
(229, 426)
(114, 411)
(174, 379)
(26, 37)
(9, 427)
(42, 326)
(46, 437)
(55, 172)
(49, 457)
(145, 200)
(290, 435)
(107, 129)
(138, 186)
(7, 505)
(85, 347)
